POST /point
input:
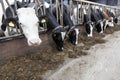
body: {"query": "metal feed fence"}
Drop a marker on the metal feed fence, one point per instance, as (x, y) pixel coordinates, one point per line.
(88, 5)
(59, 13)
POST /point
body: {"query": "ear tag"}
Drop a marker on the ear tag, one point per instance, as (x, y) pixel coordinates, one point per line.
(43, 21)
(11, 24)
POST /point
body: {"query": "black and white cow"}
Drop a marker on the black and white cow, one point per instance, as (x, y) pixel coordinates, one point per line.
(88, 24)
(27, 20)
(58, 32)
(112, 14)
(72, 31)
(97, 20)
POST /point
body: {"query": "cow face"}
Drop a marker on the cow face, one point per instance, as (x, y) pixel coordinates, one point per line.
(9, 22)
(58, 38)
(99, 27)
(73, 36)
(115, 20)
(89, 29)
(105, 23)
(29, 24)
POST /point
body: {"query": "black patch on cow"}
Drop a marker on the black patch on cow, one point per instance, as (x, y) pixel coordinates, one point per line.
(72, 36)
(57, 37)
(98, 27)
(5, 23)
(115, 20)
(87, 27)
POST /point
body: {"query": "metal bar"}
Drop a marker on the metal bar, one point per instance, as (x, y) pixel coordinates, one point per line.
(61, 13)
(16, 7)
(3, 9)
(51, 5)
(97, 4)
(77, 12)
(57, 11)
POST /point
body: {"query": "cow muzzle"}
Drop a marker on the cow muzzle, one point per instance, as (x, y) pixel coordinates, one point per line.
(34, 42)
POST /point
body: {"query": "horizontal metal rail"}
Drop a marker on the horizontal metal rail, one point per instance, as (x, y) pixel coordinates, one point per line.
(89, 2)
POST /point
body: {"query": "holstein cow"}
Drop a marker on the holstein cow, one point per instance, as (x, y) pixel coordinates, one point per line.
(97, 20)
(58, 33)
(108, 16)
(72, 31)
(27, 20)
(88, 23)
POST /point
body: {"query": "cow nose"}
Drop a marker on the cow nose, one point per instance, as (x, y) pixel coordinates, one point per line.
(34, 42)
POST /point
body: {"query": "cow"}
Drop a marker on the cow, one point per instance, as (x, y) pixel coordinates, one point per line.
(89, 25)
(26, 19)
(72, 31)
(58, 32)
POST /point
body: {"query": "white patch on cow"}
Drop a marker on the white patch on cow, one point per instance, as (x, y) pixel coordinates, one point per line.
(84, 11)
(101, 9)
(96, 7)
(6, 32)
(47, 5)
(111, 24)
(91, 31)
(112, 10)
(77, 33)
(101, 24)
(29, 25)
(106, 23)
(63, 35)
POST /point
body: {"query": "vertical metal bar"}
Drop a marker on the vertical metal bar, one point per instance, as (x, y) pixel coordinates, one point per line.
(57, 10)
(82, 13)
(61, 13)
(71, 7)
(44, 13)
(89, 11)
(77, 13)
(3, 9)
(16, 9)
(51, 5)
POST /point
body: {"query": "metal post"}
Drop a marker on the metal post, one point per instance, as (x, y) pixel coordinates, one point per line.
(57, 10)
(61, 13)
(16, 9)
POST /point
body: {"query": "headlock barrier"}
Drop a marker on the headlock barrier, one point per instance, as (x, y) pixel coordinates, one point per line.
(14, 32)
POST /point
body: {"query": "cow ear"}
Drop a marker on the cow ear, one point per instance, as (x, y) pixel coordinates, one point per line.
(3, 27)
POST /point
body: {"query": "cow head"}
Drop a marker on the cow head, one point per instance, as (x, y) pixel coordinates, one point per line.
(111, 22)
(105, 23)
(99, 27)
(58, 36)
(11, 23)
(73, 35)
(115, 20)
(29, 24)
(89, 28)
